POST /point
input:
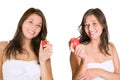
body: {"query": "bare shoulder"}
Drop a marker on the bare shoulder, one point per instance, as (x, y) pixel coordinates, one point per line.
(111, 44)
(3, 44)
(112, 48)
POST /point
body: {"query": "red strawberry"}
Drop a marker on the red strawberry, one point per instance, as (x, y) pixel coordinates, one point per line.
(44, 42)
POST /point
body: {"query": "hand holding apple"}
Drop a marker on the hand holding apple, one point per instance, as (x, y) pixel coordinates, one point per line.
(79, 51)
(74, 42)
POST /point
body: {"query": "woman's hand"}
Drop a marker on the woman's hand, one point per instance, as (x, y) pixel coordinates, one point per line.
(79, 51)
(45, 52)
(90, 74)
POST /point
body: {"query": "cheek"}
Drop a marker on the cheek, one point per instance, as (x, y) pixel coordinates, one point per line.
(24, 28)
(86, 30)
(38, 31)
(100, 30)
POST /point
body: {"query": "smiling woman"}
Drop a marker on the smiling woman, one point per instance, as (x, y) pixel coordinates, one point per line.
(95, 58)
(23, 57)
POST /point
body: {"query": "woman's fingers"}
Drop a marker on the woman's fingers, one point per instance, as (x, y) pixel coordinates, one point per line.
(45, 52)
(78, 50)
(71, 48)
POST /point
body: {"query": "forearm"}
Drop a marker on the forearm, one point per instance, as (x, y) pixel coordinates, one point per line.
(109, 75)
(81, 69)
(45, 71)
(1, 77)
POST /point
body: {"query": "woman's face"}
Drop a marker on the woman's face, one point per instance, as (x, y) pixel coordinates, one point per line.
(32, 26)
(92, 27)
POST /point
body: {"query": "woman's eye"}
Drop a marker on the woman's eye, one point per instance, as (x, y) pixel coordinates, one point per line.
(30, 22)
(94, 24)
(39, 25)
(86, 25)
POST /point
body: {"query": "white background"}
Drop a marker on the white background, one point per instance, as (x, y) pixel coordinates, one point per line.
(63, 18)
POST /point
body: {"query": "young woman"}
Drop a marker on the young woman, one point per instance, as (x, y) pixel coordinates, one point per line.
(95, 58)
(24, 57)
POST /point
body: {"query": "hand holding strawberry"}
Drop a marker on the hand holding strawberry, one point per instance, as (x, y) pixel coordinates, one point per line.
(45, 51)
(44, 42)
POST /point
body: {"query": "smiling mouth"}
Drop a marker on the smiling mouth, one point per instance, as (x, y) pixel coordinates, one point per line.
(91, 33)
(31, 32)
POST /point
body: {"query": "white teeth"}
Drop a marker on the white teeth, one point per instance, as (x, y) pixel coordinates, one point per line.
(92, 33)
(31, 32)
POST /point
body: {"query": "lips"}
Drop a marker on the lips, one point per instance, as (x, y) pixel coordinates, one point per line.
(91, 33)
(31, 32)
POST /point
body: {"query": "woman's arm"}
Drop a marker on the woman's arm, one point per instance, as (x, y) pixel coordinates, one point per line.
(46, 70)
(78, 66)
(45, 63)
(109, 75)
(2, 47)
(78, 61)
(1, 66)
(116, 74)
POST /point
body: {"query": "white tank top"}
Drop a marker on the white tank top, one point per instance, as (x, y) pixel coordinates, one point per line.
(107, 65)
(20, 70)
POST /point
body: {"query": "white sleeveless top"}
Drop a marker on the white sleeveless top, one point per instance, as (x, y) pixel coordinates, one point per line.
(107, 65)
(20, 70)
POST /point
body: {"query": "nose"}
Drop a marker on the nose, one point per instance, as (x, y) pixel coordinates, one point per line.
(90, 27)
(33, 26)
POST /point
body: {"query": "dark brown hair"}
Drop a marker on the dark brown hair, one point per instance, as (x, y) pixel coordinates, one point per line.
(103, 46)
(15, 46)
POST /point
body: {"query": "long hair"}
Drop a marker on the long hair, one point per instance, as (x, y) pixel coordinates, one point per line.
(84, 38)
(15, 46)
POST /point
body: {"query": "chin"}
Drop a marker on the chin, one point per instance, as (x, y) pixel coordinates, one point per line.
(30, 37)
(94, 38)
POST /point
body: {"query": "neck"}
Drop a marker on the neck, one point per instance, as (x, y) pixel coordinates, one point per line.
(95, 43)
(26, 44)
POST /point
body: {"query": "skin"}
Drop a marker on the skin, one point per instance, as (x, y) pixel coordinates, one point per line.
(31, 28)
(90, 53)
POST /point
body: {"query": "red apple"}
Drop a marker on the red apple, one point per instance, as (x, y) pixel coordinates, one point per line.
(74, 42)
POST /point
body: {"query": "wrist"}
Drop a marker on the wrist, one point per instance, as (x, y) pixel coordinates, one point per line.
(41, 61)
